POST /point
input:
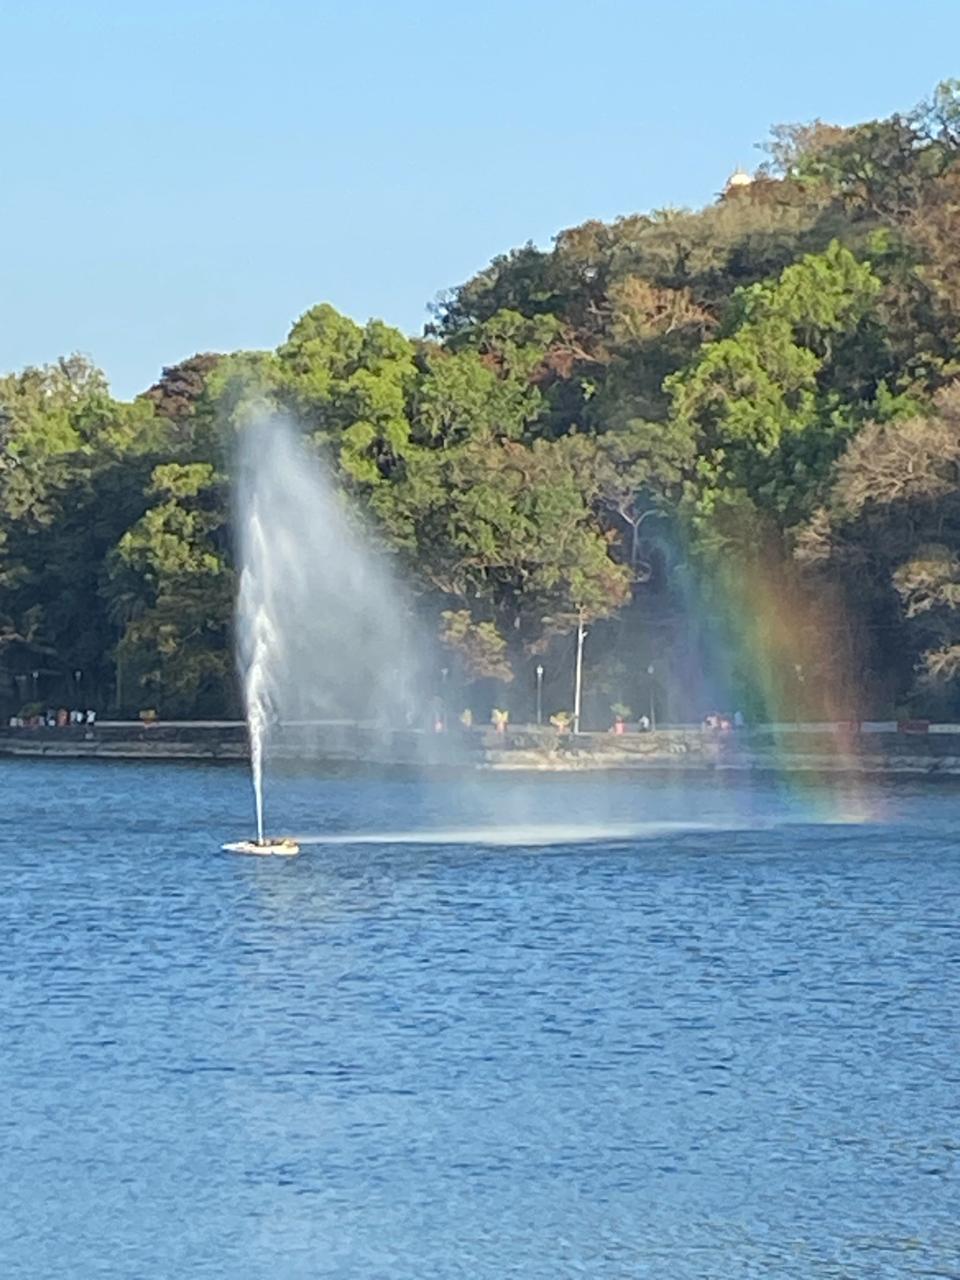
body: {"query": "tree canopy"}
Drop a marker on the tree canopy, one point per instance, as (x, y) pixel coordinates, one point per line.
(581, 433)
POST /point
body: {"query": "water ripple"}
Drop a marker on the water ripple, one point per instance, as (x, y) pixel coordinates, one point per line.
(728, 1049)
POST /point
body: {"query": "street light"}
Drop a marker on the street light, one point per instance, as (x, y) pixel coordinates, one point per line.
(578, 675)
(539, 693)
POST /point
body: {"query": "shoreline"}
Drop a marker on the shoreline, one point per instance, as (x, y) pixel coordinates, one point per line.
(669, 752)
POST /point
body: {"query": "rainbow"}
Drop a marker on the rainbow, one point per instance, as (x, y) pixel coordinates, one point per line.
(788, 653)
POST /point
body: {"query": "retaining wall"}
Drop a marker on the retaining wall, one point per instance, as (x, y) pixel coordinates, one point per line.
(879, 748)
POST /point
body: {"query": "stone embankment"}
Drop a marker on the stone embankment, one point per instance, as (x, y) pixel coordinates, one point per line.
(873, 747)
(880, 748)
(130, 740)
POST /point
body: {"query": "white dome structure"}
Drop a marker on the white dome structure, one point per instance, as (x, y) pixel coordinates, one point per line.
(739, 179)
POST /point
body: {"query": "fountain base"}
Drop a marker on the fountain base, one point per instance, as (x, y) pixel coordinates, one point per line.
(280, 848)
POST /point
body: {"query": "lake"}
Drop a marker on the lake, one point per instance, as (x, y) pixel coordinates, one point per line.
(634, 1028)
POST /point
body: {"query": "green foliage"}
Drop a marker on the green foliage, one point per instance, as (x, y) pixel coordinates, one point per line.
(479, 645)
(350, 387)
(776, 371)
(772, 401)
(74, 481)
(170, 588)
(890, 528)
(507, 531)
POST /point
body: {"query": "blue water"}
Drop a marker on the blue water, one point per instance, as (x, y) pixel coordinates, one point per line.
(725, 1051)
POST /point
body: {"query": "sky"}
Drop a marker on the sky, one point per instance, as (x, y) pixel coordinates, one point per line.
(192, 175)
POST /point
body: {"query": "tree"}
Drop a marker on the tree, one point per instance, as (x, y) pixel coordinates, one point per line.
(480, 647)
(891, 530)
(506, 532)
(882, 167)
(585, 431)
(170, 588)
(794, 149)
(349, 387)
(77, 464)
(772, 400)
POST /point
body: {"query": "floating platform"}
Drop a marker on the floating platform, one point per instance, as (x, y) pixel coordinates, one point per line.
(283, 848)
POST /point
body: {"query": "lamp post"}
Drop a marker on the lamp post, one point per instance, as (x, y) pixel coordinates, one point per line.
(36, 683)
(444, 672)
(653, 709)
(539, 693)
(578, 677)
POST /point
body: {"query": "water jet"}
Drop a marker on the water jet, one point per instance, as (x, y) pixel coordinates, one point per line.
(323, 636)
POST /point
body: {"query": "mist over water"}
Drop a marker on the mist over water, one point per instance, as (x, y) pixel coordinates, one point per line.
(322, 630)
(324, 634)
(508, 835)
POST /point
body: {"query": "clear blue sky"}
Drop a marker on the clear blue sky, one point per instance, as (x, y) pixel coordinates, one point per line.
(189, 175)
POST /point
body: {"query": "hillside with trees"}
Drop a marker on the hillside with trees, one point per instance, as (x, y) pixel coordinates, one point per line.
(630, 429)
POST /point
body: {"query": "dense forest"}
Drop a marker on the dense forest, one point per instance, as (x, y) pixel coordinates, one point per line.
(676, 428)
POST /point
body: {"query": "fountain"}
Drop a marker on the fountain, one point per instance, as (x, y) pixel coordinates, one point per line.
(323, 638)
